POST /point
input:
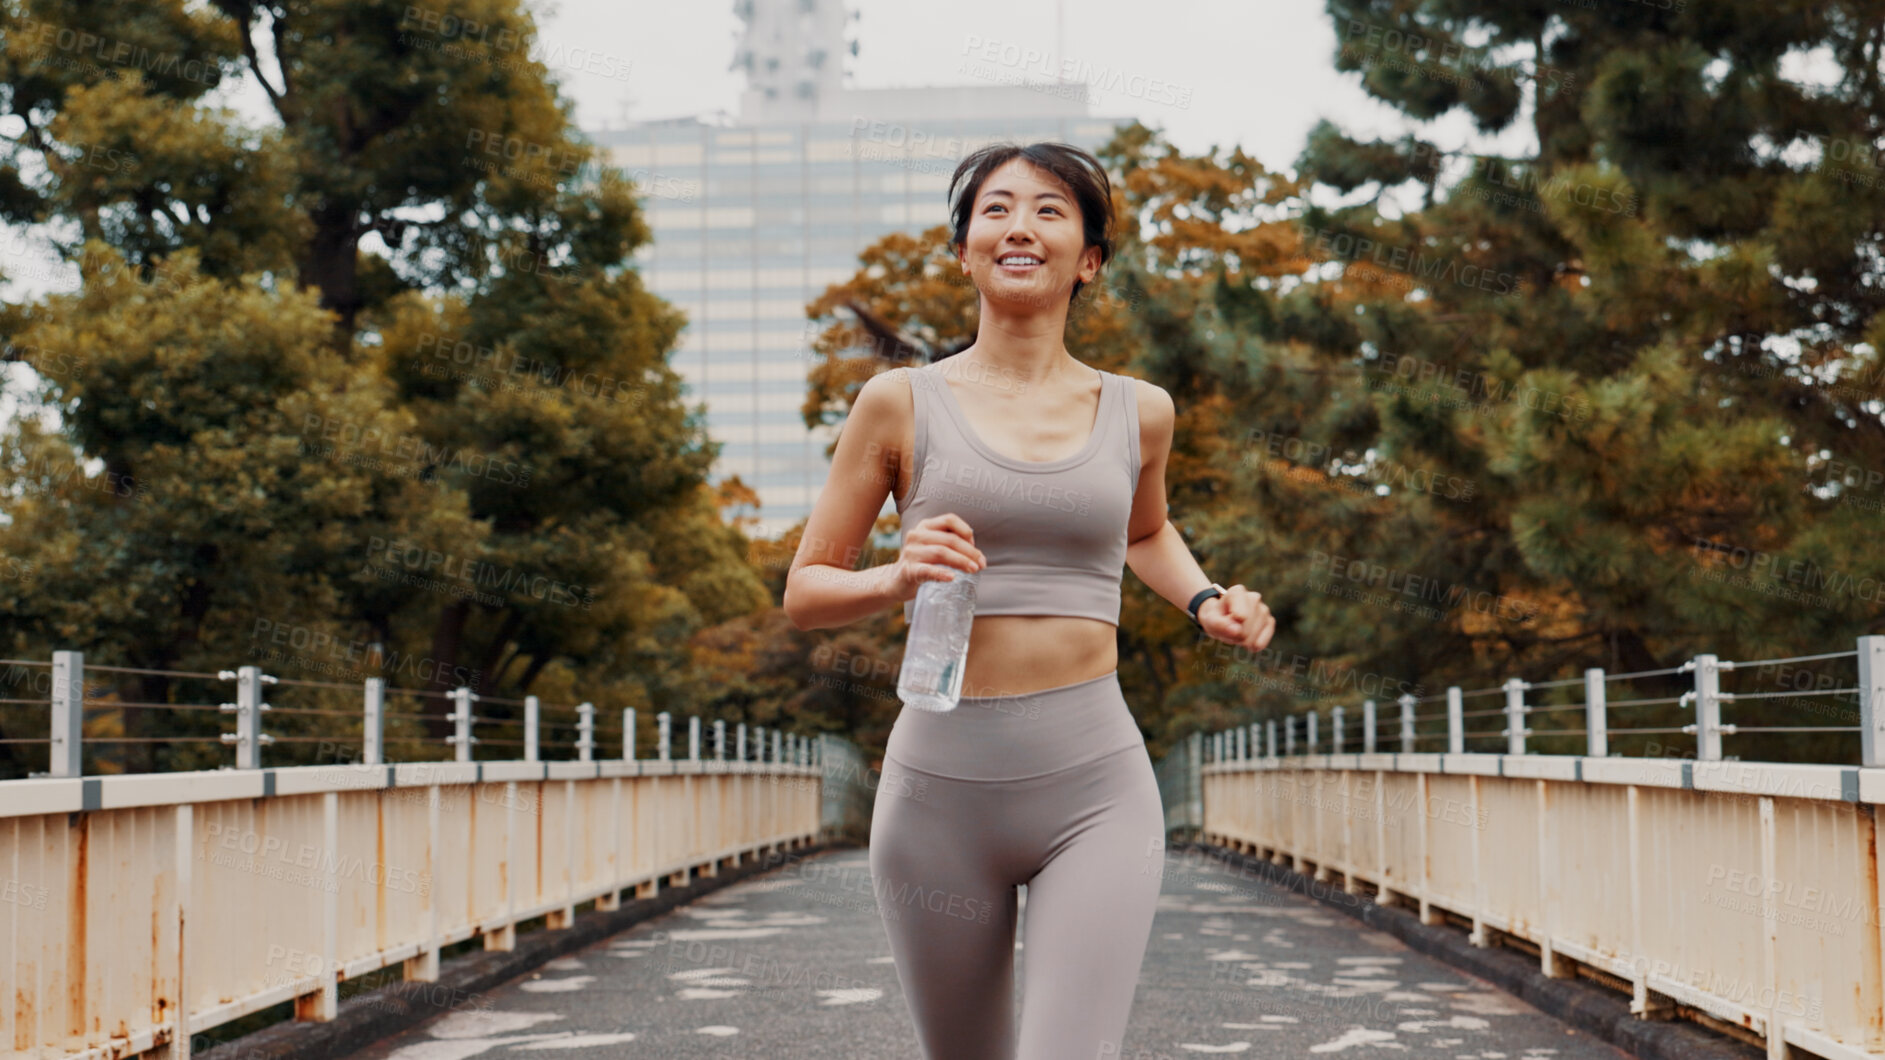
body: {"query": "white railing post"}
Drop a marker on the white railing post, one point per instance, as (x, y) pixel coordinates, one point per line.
(1289, 735)
(68, 714)
(739, 744)
(1269, 738)
(1256, 739)
(693, 738)
(719, 739)
(373, 724)
(462, 719)
(662, 726)
(1455, 720)
(1596, 724)
(248, 709)
(778, 743)
(1407, 723)
(628, 734)
(1335, 731)
(759, 743)
(1515, 730)
(1872, 701)
(586, 729)
(1707, 698)
(1311, 732)
(1367, 726)
(533, 724)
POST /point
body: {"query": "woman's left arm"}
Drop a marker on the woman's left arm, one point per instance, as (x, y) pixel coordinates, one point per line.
(1156, 551)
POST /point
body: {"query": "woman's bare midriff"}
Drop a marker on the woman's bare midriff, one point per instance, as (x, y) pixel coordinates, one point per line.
(1010, 654)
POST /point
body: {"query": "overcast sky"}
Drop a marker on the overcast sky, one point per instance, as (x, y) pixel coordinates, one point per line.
(1260, 73)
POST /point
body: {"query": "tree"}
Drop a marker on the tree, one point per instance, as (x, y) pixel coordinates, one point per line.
(387, 343)
(1622, 388)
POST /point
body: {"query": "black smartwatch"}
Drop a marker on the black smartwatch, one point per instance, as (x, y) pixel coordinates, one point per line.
(1191, 609)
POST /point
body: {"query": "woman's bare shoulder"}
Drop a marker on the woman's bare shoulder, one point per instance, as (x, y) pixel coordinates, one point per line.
(888, 393)
(885, 409)
(1154, 402)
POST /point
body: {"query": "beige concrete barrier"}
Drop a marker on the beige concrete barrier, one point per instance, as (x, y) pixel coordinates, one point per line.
(136, 910)
(1737, 892)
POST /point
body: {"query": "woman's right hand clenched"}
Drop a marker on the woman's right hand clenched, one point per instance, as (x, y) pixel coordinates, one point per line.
(932, 550)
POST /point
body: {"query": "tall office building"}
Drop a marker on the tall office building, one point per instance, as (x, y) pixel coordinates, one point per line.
(755, 215)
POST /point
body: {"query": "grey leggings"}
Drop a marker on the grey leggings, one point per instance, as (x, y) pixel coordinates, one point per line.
(1052, 789)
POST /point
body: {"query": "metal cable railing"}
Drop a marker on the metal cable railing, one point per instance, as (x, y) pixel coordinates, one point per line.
(331, 722)
(1407, 730)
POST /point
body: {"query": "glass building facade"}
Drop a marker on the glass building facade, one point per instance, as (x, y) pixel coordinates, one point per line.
(753, 219)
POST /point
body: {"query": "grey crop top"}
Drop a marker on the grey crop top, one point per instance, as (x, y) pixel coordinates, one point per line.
(1054, 531)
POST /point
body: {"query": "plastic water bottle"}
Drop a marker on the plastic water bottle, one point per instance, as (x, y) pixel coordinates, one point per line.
(937, 647)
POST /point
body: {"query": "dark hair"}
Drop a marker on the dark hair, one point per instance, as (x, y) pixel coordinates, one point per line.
(1080, 171)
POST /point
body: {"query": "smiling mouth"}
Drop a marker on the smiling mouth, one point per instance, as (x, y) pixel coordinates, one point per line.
(1019, 262)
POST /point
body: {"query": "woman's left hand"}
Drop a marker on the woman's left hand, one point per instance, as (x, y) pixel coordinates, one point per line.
(1238, 617)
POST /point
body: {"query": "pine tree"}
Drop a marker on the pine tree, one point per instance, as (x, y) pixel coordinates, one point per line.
(1615, 400)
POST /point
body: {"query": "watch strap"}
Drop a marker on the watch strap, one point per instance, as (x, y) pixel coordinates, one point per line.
(1214, 589)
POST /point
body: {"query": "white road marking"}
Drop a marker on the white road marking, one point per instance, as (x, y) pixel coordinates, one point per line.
(576, 1041)
(557, 986)
(1358, 1036)
(485, 1023)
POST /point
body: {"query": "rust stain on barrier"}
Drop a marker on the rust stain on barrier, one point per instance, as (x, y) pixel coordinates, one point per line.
(1874, 1013)
(75, 942)
(23, 1010)
(157, 949)
(159, 1003)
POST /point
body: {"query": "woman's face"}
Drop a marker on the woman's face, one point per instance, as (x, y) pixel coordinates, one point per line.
(1026, 244)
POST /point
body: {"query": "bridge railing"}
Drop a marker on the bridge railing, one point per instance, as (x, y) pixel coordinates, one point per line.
(1181, 787)
(1745, 895)
(1408, 728)
(137, 910)
(248, 718)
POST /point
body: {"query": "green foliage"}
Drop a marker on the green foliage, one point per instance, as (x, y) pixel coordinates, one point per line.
(368, 391)
(1624, 388)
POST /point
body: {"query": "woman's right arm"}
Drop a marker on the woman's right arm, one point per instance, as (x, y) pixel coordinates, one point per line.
(822, 589)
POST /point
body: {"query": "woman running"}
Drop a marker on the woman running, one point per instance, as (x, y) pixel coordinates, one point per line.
(1014, 459)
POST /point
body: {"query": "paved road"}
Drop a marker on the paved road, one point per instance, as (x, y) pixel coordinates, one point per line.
(794, 964)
